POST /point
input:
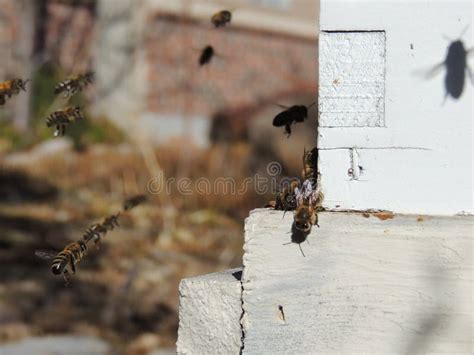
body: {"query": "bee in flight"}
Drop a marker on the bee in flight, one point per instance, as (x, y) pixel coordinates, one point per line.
(133, 201)
(206, 55)
(74, 84)
(95, 233)
(293, 114)
(61, 118)
(221, 18)
(64, 262)
(11, 87)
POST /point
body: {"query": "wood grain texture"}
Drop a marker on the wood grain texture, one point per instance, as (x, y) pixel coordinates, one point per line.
(210, 307)
(367, 285)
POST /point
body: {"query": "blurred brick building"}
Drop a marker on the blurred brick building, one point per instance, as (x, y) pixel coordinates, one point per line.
(267, 55)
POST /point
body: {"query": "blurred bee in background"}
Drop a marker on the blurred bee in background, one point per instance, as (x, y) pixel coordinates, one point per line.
(293, 114)
(64, 262)
(61, 118)
(11, 87)
(134, 201)
(221, 18)
(95, 233)
(206, 55)
(111, 222)
(74, 84)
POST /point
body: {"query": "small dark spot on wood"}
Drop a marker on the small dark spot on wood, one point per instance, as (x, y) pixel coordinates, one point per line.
(281, 313)
(420, 219)
(384, 215)
(366, 214)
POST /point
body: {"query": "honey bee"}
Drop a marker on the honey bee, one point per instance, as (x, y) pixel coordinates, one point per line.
(310, 161)
(293, 114)
(286, 199)
(61, 118)
(305, 217)
(308, 201)
(74, 84)
(221, 18)
(206, 55)
(11, 87)
(64, 262)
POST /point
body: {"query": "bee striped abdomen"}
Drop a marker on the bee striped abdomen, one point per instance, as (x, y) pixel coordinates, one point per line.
(68, 258)
(72, 85)
(56, 118)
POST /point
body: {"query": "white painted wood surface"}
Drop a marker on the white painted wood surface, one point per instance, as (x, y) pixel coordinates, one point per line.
(395, 286)
(210, 307)
(420, 160)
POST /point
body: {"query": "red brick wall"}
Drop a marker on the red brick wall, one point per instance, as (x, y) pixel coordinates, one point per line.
(252, 66)
(69, 35)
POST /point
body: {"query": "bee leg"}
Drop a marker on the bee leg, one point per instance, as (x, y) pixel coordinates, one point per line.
(469, 74)
(67, 278)
(301, 249)
(288, 130)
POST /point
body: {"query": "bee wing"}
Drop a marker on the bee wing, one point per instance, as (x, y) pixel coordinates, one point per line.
(434, 71)
(46, 254)
(281, 119)
(430, 73)
(282, 106)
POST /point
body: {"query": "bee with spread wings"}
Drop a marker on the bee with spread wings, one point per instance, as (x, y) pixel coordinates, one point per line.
(291, 115)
